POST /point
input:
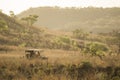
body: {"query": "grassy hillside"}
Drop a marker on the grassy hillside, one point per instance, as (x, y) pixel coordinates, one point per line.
(76, 55)
(15, 34)
(89, 19)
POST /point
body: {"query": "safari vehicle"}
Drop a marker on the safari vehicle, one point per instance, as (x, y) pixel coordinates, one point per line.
(33, 53)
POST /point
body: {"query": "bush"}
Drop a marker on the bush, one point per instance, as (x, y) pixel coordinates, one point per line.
(86, 64)
(3, 25)
(62, 42)
(65, 39)
(96, 49)
(80, 34)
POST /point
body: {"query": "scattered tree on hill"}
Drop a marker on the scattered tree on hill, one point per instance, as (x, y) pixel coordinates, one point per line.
(12, 14)
(31, 19)
(79, 34)
(26, 19)
(64, 42)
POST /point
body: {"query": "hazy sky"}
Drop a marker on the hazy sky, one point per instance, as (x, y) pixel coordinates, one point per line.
(19, 5)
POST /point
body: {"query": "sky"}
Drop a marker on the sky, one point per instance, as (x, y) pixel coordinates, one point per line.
(20, 5)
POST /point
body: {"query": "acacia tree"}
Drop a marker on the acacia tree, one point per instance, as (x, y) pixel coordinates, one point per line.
(96, 49)
(26, 19)
(31, 19)
(12, 14)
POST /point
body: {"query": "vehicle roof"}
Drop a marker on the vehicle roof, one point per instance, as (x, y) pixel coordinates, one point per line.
(33, 50)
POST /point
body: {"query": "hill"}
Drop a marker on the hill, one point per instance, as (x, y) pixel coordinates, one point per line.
(89, 19)
(14, 34)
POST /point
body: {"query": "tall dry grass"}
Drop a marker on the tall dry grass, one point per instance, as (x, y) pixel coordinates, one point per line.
(61, 65)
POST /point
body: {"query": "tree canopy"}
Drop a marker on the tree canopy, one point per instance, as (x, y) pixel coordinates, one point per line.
(31, 19)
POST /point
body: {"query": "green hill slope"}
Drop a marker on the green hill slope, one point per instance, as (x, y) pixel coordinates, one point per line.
(15, 34)
(68, 19)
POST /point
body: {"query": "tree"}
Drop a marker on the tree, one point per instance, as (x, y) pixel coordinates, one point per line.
(31, 19)
(78, 33)
(12, 14)
(26, 19)
(96, 49)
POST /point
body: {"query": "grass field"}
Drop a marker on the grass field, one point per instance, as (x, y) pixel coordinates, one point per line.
(61, 65)
(65, 57)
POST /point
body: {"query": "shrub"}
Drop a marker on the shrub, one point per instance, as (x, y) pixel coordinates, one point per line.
(22, 45)
(86, 64)
(80, 34)
(96, 49)
(3, 25)
(65, 39)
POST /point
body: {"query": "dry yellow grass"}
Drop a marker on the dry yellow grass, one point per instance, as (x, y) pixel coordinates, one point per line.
(62, 65)
(65, 57)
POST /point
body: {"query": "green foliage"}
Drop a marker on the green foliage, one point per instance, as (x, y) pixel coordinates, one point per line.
(64, 42)
(65, 39)
(12, 14)
(3, 25)
(31, 19)
(80, 34)
(13, 33)
(22, 45)
(95, 48)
